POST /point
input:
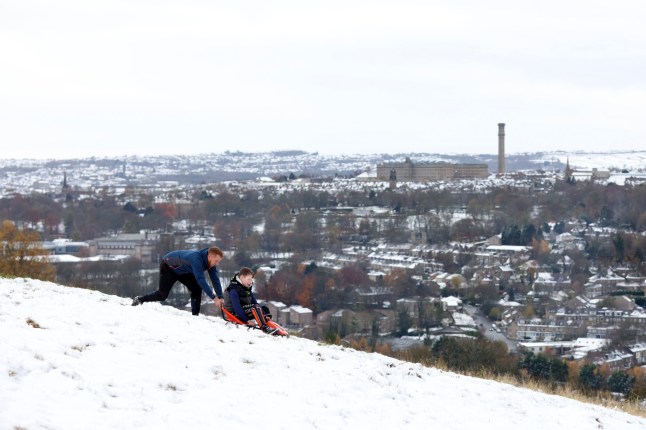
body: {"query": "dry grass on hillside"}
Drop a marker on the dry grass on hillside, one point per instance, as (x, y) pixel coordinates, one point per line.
(601, 398)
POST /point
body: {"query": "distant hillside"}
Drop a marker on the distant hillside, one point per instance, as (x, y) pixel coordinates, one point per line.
(230, 166)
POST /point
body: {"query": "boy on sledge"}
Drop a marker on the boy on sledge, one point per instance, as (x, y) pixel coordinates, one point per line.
(241, 302)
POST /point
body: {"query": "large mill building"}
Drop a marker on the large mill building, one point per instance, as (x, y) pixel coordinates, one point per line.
(441, 171)
(411, 172)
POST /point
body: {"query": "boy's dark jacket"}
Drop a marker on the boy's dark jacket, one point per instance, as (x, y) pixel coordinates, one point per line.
(239, 299)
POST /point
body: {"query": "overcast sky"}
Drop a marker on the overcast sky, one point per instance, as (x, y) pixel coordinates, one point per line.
(133, 77)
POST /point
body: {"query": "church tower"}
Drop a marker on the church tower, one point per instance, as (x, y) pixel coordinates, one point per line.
(568, 170)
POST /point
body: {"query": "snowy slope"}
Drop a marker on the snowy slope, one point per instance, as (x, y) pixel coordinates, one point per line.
(77, 359)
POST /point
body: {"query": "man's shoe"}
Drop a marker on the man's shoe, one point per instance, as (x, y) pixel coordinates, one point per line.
(136, 301)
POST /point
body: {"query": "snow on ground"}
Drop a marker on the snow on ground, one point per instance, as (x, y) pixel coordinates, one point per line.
(598, 160)
(79, 359)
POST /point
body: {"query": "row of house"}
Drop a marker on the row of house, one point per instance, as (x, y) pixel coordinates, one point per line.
(594, 351)
(566, 319)
(372, 321)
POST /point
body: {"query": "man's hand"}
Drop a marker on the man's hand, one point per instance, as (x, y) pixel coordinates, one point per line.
(218, 302)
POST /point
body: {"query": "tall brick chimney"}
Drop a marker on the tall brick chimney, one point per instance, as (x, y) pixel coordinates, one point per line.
(501, 148)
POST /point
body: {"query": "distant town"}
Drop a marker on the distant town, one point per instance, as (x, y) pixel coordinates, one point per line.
(547, 256)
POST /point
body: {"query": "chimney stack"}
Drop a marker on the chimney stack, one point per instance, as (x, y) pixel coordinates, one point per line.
(501, 148)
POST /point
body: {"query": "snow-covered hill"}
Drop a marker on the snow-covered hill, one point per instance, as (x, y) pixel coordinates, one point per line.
(78, 359)
(629, 160)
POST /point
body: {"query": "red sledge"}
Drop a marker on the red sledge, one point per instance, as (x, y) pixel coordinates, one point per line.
(279, 330)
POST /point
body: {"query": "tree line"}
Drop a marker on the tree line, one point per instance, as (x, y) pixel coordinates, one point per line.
(480, 356)
(88, 214)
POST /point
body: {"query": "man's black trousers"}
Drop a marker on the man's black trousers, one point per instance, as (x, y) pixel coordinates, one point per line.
(167, 278)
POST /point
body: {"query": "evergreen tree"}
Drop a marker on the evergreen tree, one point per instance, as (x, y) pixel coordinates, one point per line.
(527, 234)
(404, 322)
(558, 370)
(559, 227)
(544, 368)
(589, 377)
(620, 382)
(510, 235)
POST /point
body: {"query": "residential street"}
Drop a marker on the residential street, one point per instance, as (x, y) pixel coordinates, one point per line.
(485, 326)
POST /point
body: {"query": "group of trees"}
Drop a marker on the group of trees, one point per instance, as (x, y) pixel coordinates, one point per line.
(313, 287)
(482, 356)
(121, 278)
(21, 256)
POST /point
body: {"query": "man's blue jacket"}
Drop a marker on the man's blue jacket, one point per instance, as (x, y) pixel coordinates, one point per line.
(185, 262)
